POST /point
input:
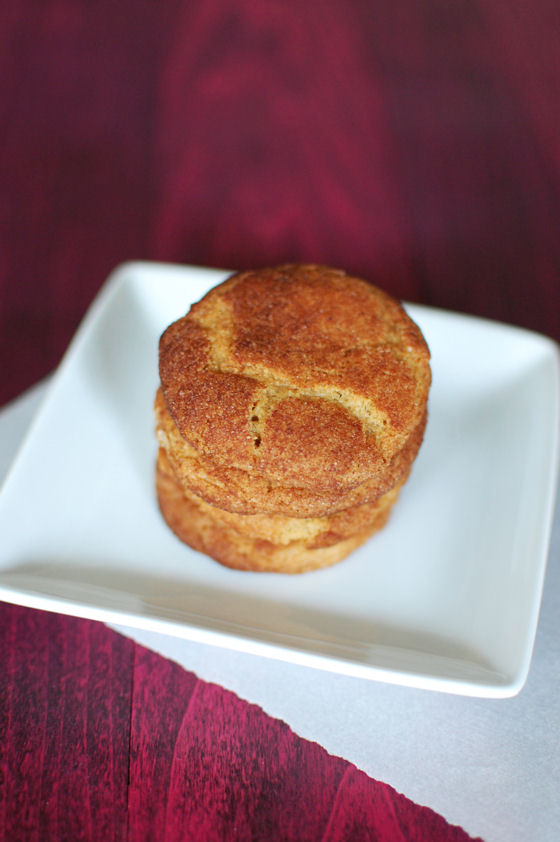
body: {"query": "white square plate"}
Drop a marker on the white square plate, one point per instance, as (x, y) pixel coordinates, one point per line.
(446, 597)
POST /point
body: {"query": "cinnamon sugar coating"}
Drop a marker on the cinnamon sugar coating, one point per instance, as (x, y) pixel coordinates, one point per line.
(248, 493)
(235, 543)
(288, 394)
(302, 375)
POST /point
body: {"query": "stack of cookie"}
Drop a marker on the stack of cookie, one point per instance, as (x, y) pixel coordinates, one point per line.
(292, 405)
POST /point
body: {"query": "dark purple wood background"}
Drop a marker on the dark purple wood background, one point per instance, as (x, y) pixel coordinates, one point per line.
(416, 143)
(101, 739)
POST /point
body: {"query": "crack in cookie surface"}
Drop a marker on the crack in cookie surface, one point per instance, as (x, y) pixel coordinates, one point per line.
(382, 369)
(268, 375)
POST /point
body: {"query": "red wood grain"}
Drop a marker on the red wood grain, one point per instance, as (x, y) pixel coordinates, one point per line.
(101, 739)
(64, 728)
(415, 143)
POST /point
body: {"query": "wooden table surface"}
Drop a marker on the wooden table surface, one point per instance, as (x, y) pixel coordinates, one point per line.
(414, 143)
(101, 739)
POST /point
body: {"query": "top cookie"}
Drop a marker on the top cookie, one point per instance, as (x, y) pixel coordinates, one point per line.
(298, 374)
